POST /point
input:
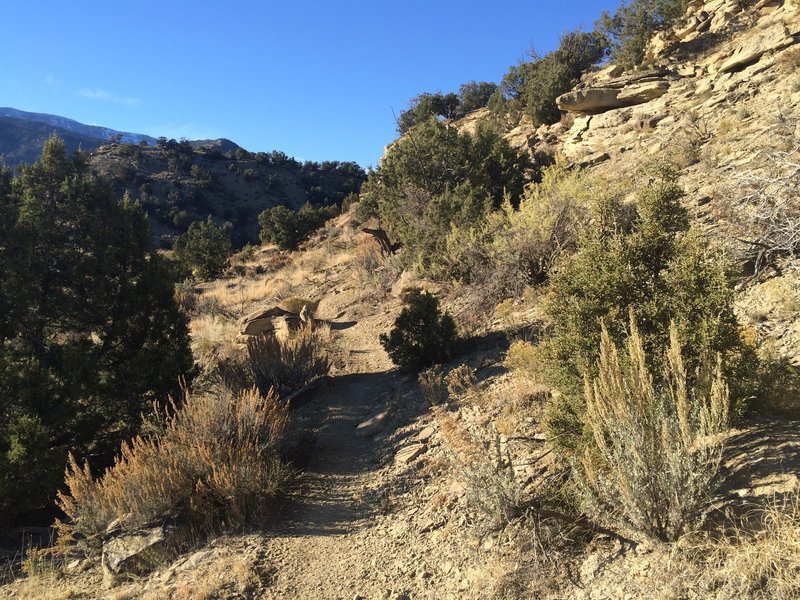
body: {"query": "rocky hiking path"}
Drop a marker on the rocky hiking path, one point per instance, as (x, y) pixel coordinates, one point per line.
(312, 547)
(327, 542)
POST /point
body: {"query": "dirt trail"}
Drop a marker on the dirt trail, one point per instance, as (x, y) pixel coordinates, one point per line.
(329, 519)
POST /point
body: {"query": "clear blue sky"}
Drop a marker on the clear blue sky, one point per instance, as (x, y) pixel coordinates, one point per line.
(316, 79)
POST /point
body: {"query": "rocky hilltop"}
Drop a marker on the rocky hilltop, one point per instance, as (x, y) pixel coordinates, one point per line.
(720, 97)
(181, 182)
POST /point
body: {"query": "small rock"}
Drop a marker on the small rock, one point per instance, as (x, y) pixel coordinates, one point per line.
(410, 453)
(594, 159)
(132, 553)
(425, 434)
(430, 525)
(374, 423)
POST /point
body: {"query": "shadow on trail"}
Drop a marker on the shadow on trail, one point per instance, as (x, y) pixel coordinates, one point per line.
(336, 492)
(334, 462)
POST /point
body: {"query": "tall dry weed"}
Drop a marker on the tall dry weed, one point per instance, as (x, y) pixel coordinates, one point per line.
(657, 449)
(212, 461)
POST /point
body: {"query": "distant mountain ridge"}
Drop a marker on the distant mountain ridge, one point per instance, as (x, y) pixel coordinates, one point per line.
(181, 182)
(102, 134)
(22, 135)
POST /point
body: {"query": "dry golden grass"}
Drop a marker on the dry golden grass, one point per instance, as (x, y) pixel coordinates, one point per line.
(212, 339)
(235, 296)
(752, 562)
(213, 460)
(44, 587)
(228, 576)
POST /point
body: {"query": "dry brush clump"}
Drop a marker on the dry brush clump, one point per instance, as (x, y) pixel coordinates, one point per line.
(656, 450)
(280, 365)
(517, 247)
(753, 562)
(768, 207)
(485, 469)
(211, 461)
(481, 462)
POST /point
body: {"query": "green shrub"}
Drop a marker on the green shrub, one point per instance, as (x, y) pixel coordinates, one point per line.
(89, 330)
(422, 336)
(634, 23)
(652, 262)
(657, 441)
(514, 249)
(205, 248)
(436, 179)
(471, 96)
(288, 229)
(532, 87)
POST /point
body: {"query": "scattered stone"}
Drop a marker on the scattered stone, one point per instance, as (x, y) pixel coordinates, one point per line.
(425, 434)
(410, 453)
(431, 525)
(375, 423)
(593, 159)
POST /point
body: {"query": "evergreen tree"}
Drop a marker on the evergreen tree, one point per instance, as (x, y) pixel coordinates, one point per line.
(90, 336)
(204, 248)
(653, 263)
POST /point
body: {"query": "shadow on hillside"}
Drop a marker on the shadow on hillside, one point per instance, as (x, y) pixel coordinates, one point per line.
(760, 466)
(339, 326)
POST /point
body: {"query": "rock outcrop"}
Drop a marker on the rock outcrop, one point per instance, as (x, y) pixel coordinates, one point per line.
(275, 320)
(616, 93)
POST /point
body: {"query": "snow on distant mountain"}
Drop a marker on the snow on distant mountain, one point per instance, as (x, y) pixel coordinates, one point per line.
(91, 131)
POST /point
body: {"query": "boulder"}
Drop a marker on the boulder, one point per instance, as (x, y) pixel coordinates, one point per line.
(589, 100)
(133, 553)
(643, 92)
(691, 26)
(610, 71)
(270, 320)
(626, 91)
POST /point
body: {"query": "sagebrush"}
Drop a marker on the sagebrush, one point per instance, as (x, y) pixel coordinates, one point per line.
(278, 364)
(211, 462)
(656, 448)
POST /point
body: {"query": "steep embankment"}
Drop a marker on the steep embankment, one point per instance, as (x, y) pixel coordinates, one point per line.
(721, 100)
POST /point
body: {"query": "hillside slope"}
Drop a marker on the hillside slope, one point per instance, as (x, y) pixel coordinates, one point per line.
(424, 491)
(181, 182)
